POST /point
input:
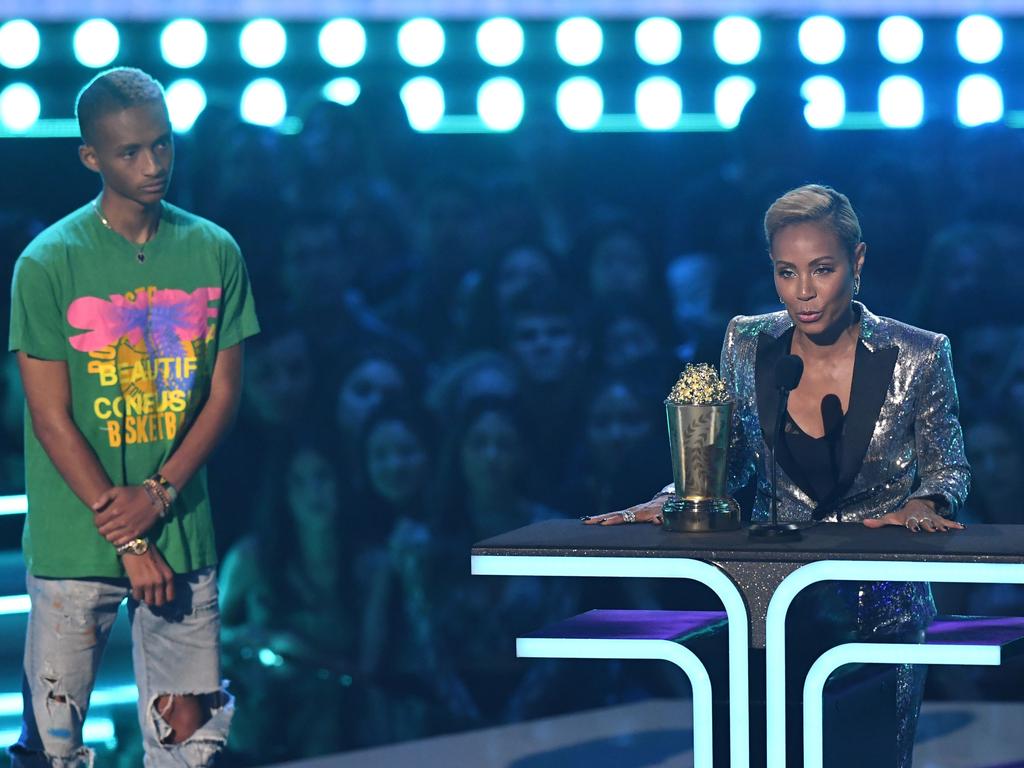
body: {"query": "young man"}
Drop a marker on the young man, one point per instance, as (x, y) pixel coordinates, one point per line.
(127, 318)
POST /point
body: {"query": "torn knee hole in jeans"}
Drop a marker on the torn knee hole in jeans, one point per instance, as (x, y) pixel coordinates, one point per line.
(162, 708)
(55, 693)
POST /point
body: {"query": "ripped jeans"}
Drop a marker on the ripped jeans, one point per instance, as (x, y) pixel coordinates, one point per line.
(175, 651)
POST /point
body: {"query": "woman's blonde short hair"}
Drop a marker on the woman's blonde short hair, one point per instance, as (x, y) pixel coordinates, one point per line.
(814, 202)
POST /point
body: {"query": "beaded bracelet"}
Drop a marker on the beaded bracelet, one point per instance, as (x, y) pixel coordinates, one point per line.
(157, 495)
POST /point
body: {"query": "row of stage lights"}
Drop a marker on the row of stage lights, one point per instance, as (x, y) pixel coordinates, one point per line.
(501, 42)
(579, 103)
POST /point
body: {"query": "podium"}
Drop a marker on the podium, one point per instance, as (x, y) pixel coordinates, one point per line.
(757, 580)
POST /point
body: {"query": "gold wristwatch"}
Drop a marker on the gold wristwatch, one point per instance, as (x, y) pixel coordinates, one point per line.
(134, 547)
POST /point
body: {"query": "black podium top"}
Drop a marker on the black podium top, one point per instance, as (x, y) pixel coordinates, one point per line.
(825, 541)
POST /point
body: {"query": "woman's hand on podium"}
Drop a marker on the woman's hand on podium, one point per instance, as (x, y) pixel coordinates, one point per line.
(648, 512)
(916, 515)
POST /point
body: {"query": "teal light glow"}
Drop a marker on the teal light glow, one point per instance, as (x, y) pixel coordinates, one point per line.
(19, 107)
(500, 103)
(264, 102)
(737, 39)
(11, 605)
(731, 97)
(846, 570)
(979, 39)
(822, 39)
(342, 90)
(95, 730)
(900, 102)
(579, 41)
(579, 103)
(900, 39)
(421, 42)
(96, 43)
(263, 43)
(875, 653)
(979, 100)
(342, 42)
(659, 103)
(658, 40)
(423, 99)
(656, 568)
(500, 41)
(186, 100)
(826, 102)
(663, 650)
(183, 43)
(19, 43)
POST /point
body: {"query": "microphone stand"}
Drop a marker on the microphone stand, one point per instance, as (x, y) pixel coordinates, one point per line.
(775, 530)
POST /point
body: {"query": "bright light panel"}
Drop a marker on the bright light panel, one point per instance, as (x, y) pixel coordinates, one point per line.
(826, 102)
(900, 39)
(822, 39)
(500, 41)
(264, 102)
(421, 42)
(186, 100)
(262, 43)
(14, 505)
(979, 39)
(500, 104)
(19, 43)
(658, 40)
(579, 103)
(423, 98)
(731, 96)
(19, 107)
(659, 103)
(96, 43)
(342, 42)
(342, 90)
(579, 41)
(900, 102)
(979, 100)
(737, 39)
(183, 43)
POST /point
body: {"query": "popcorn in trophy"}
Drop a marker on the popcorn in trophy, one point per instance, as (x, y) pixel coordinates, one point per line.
(699, 411)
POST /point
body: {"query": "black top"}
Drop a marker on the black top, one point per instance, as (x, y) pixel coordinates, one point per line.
(817, 457)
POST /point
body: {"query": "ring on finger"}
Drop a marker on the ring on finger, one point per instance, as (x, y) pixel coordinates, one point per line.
(913, 523)
(628, 516)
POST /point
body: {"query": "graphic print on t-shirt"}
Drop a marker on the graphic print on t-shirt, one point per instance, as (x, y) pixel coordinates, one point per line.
(145, 345)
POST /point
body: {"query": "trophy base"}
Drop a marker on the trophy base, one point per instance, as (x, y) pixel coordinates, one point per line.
(700, 515)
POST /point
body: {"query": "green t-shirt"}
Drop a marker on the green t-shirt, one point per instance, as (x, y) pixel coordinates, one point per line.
(140, 338)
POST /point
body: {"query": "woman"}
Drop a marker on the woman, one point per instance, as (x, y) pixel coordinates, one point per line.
(871, 432)
(288, 624)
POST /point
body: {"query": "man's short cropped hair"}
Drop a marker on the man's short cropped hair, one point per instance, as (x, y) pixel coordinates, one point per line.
(112, 91)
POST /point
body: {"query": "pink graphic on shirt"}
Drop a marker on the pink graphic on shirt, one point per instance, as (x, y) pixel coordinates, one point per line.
(143, 319)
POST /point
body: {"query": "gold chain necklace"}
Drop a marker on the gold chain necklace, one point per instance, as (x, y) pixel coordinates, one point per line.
(140, 255)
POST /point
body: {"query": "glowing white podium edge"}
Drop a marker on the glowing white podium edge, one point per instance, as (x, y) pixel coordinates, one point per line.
(623, 648)
(876, 653)
(656, 568)
(852, 570)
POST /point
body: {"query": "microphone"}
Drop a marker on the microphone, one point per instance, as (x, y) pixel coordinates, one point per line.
(788, 371)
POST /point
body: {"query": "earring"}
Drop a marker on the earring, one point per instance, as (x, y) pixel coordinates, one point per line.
(856, 285)
(781, 301)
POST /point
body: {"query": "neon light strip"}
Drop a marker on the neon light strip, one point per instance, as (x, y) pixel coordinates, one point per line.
(665, 650)
(13, 505)
(657, 568)
(876, 653)
(95, 730)
(11, 605)
(846, 570)
(11, 702)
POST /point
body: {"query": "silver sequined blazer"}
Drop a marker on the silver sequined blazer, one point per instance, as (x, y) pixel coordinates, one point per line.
(901, 438)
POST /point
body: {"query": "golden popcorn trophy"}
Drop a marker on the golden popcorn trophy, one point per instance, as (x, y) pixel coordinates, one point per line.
(699, 412)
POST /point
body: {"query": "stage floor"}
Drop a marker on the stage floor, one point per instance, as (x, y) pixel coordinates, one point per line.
(648, 735)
